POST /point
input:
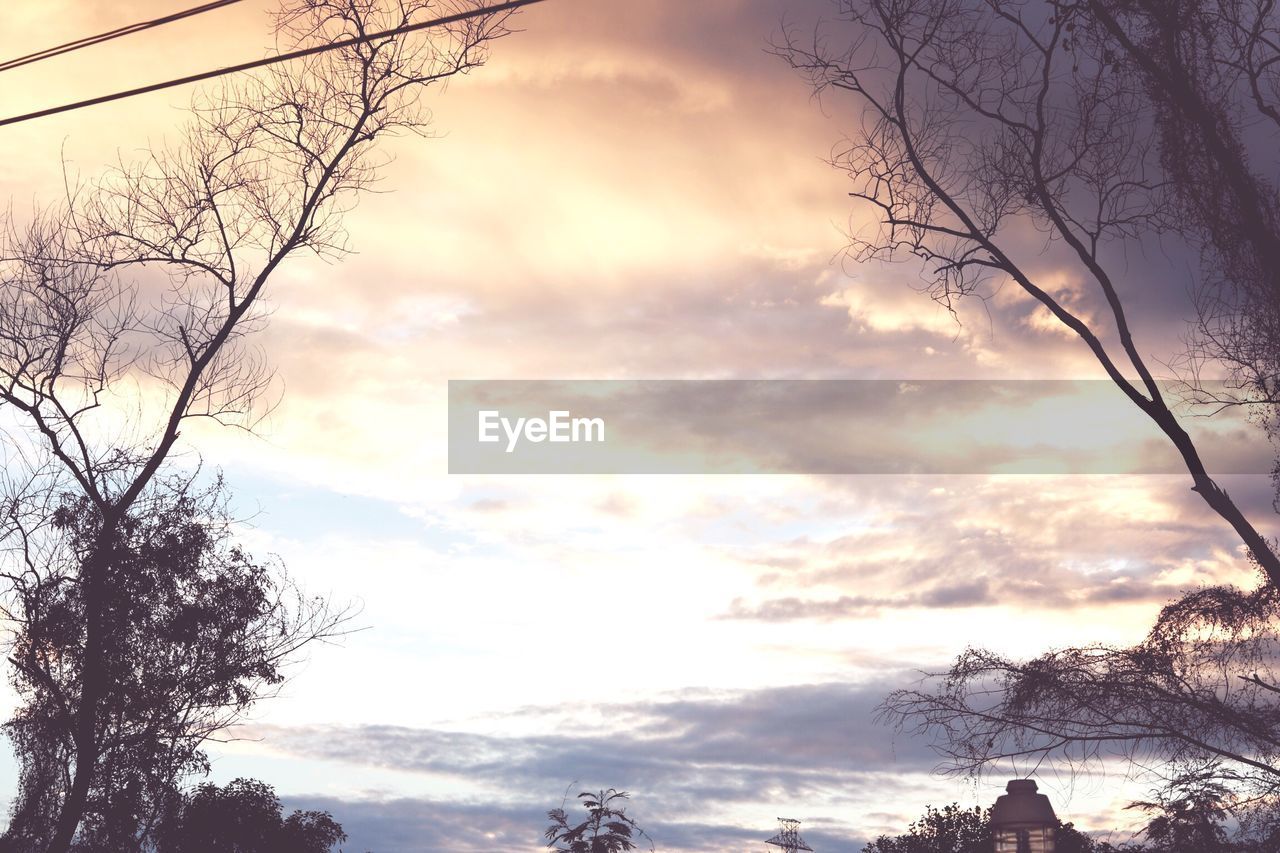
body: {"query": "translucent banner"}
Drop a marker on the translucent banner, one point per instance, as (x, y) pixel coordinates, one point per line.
(829, 427)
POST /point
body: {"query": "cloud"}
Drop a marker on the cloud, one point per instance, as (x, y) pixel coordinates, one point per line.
(705, 743)
(405, 825)
(638, 190)
(691, 761)
(707, 771)
(965, 594)
(1049, 544)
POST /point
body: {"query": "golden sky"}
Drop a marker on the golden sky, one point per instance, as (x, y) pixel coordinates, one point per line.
(627, 190)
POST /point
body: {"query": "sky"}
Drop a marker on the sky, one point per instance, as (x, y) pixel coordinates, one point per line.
(627, 190)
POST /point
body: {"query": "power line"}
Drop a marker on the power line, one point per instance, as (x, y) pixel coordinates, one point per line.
(270, 60)
(89, 41)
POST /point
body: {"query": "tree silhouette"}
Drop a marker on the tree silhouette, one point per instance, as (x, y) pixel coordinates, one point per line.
(1192, 819)
(1095, 125)
(606, 829)
(1212, 71)
(979, 120)
(1197, 700)
(952, 829)
(197, 631)
(243, 817)
(155, 276)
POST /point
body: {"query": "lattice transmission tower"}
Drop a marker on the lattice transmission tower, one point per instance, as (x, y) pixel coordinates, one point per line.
(789, 838)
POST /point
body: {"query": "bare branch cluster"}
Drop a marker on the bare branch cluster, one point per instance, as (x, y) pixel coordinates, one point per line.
(1211, 69)
(982, 121)
(127, 311)
(998, 137)
(1197, 702)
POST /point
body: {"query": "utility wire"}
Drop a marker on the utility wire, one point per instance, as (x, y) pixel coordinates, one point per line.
(270, 60)
(89, 41)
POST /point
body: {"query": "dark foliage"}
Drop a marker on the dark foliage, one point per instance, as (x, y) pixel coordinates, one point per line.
(956, 830)
(1199, 699)
(1105, 125)
(194, 632)
(1211, 69)
(264, 171)
(244, 817)
(606, 829)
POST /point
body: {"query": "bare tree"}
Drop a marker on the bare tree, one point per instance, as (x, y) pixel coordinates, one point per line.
(1212, 71)
(979, 120)
(998, 133)
(126, 313)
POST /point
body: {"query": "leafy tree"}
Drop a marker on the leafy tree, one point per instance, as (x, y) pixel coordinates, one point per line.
(949, 830)
(244, 817)
(263, 173)
(197, 631)
(606, 829)
(1190, 819)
